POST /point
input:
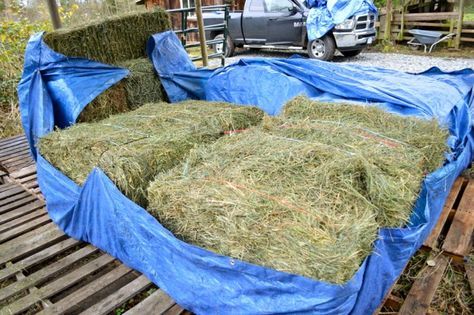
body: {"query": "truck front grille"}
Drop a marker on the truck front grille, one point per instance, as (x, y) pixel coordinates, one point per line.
(365, 22)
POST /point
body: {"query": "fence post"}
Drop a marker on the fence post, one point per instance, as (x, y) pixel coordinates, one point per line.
(53, 12)
(388, 21)
(457, 40)
(202, 35)
(402, 22)
(451, 30)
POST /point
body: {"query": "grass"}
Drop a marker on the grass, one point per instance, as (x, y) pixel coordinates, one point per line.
(10, 123)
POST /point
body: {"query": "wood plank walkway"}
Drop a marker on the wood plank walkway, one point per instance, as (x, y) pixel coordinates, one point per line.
(44, 271)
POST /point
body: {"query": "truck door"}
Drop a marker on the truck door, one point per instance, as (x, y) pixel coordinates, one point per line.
(254, 22)
(285, 23)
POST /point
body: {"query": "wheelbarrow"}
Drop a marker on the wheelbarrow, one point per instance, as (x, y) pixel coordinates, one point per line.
(427, 38)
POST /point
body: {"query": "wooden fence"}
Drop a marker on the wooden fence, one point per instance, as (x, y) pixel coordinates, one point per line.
(399, 22)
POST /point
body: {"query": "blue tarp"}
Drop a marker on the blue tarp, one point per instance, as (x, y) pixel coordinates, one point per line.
(51, 80)
(206, 283)
(325, 14)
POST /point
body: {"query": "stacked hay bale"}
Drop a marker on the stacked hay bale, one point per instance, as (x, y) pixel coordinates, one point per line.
(304, 195)
(112, 40)
(140, 87)
(119, 41)
(132, 148)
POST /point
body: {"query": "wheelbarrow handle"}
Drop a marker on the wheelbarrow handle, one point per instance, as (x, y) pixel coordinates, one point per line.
(449, 36)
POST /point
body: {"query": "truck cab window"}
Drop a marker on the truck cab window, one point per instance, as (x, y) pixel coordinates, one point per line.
(256, 6)
(278, 6)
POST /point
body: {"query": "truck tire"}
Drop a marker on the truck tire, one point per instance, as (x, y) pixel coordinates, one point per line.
(229, 52)
(322, 48)
(351, 53)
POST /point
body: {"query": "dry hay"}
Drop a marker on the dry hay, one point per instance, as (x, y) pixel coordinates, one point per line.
(113, 40)
(121, 41)
(10, 122)
(425, 135)
(140, 87)
(297, 195)
(132, 148)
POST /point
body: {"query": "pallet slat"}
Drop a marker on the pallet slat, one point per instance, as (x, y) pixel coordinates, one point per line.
(459, 237)
(21, 220)
(29, 242)
(176, 310)
(14, 147)
(58, 285)
(7, 186)
(158, 302)
(421, 293)
(20, 212)
(15, 190)
(6, 141)
(70, 302)
(14, 205)
(432, 239)
(38, 258)
(22, 194)
(30, 170)
(116, 299)
(45, 273)
(19, 230)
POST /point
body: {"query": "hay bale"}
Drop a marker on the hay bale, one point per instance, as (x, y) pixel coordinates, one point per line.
(132, 148)
(425, 135)
(121, 41)
(140, 87)
(112, 101)
(389, 173)
(301, 196)
(113, 40)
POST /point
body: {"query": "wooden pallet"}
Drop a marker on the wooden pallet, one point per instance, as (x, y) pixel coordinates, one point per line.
(44, 271)
(14, 154)
(449, 243)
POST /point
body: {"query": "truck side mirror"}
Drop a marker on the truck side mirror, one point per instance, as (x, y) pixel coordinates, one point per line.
(293, 10)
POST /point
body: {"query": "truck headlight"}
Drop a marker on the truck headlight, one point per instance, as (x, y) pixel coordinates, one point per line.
(346, 25)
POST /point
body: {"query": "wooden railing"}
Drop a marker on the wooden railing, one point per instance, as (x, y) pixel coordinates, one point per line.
(445, 22)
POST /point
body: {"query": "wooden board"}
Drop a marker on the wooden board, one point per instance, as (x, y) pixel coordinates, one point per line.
(119, 297)
(459, 238)
(432, 239)
(157, 303)
(426, 16)
(421, 293)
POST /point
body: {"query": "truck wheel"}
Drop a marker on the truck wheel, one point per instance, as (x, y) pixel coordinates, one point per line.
(351, 53)
(229, 52)
(322, 48)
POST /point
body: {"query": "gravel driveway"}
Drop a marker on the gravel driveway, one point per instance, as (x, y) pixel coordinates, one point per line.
(408, 63)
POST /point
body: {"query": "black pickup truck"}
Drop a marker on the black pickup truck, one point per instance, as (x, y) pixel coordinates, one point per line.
(281, 24)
